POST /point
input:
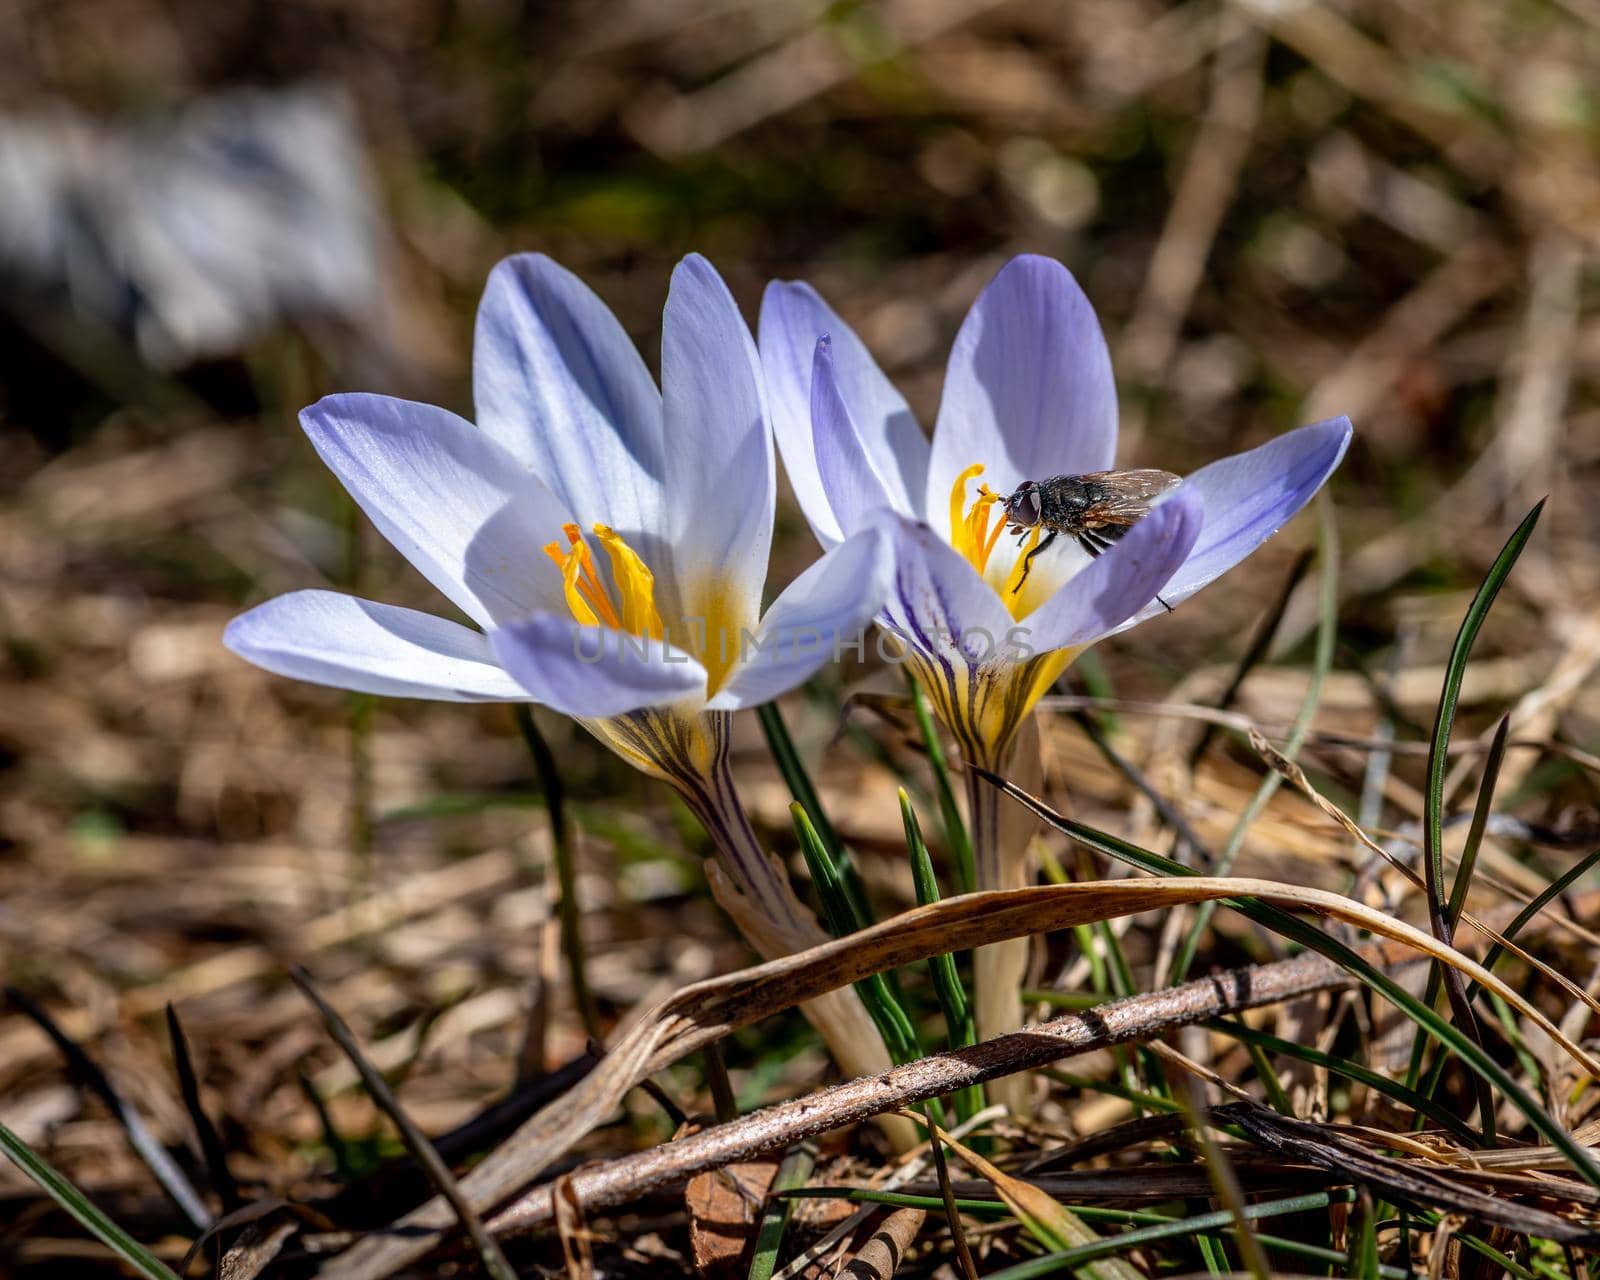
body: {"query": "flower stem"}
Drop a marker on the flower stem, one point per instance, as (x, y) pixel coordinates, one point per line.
(999, 847)
(753, 888)
(689, 751)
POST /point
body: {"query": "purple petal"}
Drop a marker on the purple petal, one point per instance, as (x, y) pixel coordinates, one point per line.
(937, 602)
(1121, 581)
(821, 615)
(1029, 391)
(559, 384)
(1252, 495)
(595, 672)
(848, 475)
(720, 468)
(459, 506)
(339, 640)
(793, 318)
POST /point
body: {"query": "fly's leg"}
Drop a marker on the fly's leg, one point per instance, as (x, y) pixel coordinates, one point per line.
(1027, 560)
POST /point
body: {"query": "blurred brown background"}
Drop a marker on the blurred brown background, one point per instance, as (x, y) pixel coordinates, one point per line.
(214, 213)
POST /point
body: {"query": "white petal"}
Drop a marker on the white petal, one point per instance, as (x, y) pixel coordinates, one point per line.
(793, 318)
(458, 506)
(1252, 495)
(822, 614)
(558, 382)
(349, 643)
(720, 470)
(595, 672)
(1028, 391)
(848, 474)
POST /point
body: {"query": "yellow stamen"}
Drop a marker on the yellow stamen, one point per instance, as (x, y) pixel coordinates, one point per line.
(970, 533)
(958, 503)
(587, 597)
(576, 600)
(635, 583)
(999, 525)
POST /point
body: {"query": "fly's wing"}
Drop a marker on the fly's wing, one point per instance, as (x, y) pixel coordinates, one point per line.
(1121, 497)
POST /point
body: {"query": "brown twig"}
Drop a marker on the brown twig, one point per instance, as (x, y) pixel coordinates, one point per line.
(1136, 1018)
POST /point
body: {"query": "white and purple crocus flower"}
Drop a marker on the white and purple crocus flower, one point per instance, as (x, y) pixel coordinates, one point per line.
(1028, 395)
(609, 544)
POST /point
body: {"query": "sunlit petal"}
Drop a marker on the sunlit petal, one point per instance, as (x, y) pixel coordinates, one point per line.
(720, 467)
(936, 600)
(793, 318)
(1252, 495)
(595, 672)
(456, 504)
(849, 477)
(1028, 391)
(823, 614)
(332, 639)
(560, 384)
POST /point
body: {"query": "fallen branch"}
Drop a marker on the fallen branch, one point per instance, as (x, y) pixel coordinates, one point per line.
(1138, 1017)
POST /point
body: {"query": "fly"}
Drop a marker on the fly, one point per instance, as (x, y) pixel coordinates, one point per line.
(1094, 510)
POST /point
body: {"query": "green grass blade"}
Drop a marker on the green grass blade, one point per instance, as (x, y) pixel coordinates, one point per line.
(1458, 896)
(1277, 1096)
(787, 757)
(796, 1167)
(1363, 1257)
(1413, 1100)
(1220, 1220)
(1433, 794)
(1212, 1254)
(1480, 822)
(1141, 1100)
(1099, 979)
(1450, 696)
(79, 1206)
(1044, 1217)
(1224, 1182)
(876, 993)
(1094, 1213)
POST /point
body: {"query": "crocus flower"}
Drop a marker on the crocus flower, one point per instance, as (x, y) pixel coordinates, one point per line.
(609, 543)
(1028, 395)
